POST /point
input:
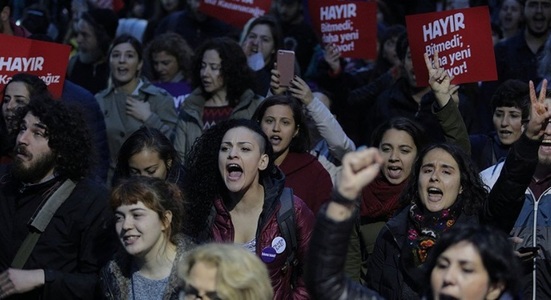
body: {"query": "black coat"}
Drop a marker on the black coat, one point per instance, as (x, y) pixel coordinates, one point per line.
(77, 242)
(385, 271)
(324, 274)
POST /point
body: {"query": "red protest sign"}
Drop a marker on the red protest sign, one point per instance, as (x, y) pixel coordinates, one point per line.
(235, 12)
(463, 39)
(350, 25)
(43, 59)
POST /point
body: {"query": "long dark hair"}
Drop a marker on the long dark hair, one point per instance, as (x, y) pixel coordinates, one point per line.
(495, 251)
(474, 192)
(33, 83)
(301, 142)
(413, 128)
(146, 138)
(127, 38)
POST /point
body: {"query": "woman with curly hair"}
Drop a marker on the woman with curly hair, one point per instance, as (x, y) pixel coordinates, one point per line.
(224, 271)
(223, 90)
(234, 191)
(169, 56)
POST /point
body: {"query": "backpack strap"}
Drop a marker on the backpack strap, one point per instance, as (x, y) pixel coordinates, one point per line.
(205, 235)
(287, 227)
(40, 220)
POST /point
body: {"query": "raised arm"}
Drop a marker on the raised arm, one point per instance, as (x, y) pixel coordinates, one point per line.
(329, 128)
(324, 275)
(447, 99)
(507, 195)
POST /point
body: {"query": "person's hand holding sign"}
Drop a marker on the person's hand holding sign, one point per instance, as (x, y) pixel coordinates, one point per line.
(440, 81)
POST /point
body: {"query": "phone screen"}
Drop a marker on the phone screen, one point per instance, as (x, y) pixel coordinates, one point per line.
(528, 249)
(286, 66)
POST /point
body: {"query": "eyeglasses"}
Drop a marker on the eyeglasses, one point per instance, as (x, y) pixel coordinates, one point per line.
(189, 292)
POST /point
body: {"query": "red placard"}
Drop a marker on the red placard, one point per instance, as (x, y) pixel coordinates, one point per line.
(43, 59)
(235, 12)
(463, 39)
(350, 25)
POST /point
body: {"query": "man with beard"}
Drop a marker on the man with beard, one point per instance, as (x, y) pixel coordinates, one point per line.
(532, 229)
(517, 57)
(89, 68)
(52, 148)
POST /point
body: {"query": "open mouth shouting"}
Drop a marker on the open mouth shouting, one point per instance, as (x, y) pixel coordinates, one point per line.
(434, 194)
(234, 171)
(275, 140)
(394, 172)
(545, 146)
(122, 71)
(505, 133)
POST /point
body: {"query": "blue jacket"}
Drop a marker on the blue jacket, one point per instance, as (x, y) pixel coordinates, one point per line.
(533, 226)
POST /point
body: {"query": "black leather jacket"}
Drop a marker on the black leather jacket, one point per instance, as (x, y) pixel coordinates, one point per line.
(324, 274)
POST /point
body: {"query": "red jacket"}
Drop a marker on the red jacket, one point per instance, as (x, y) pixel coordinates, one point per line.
(308, 179)
(267, 231)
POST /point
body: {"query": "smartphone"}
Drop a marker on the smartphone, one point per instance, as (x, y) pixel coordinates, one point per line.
(522, 250)
(286, 67)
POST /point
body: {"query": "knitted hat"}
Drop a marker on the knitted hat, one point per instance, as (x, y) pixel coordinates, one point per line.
(104, 19)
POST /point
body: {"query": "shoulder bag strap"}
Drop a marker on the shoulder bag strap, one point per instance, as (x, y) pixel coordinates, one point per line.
(40, 221)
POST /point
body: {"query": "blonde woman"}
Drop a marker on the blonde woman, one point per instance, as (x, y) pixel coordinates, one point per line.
(224, 271)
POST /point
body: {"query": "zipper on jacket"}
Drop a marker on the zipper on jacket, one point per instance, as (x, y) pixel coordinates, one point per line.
(534, 236)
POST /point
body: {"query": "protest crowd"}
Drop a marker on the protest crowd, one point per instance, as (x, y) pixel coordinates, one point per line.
(275, 149)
